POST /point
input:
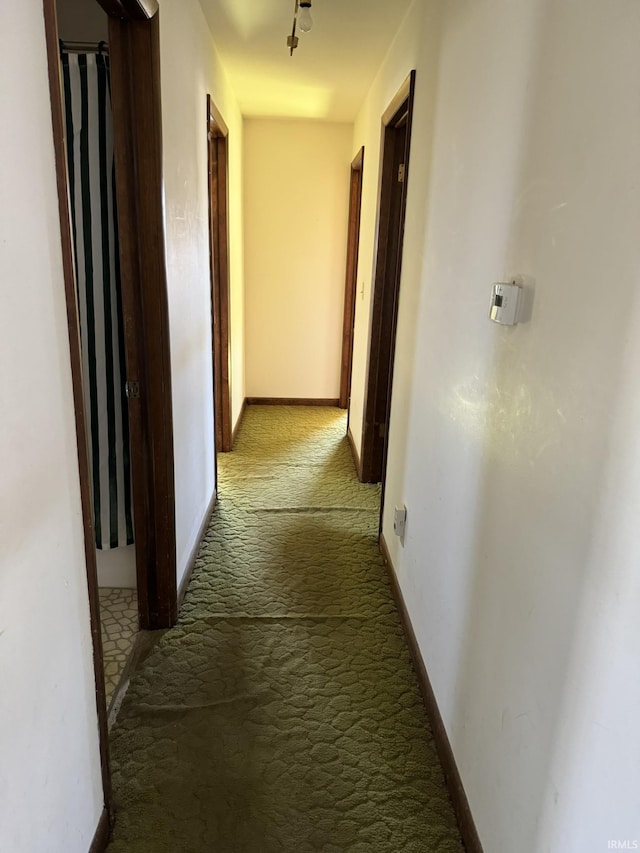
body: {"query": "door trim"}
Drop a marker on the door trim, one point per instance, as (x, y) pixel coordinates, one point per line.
(387, 274)
(130, 10)
(351, 280)
(62, 182)
(135, 85)
(134, 45)
(218, 189)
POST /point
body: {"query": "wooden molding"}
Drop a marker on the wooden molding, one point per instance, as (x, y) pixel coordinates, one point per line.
(236, 428)
(291, 401)
(141, 9)
(134, 48)
(392, 196)
(130, 10)
(193, 555)
(399, 98)
(452, 775)
(144, 642)
(57, 118)
(218, 191)
(137, 123)
(217, 124)
(102, 833)
(114, 9)
(354, 452)
(351, 280)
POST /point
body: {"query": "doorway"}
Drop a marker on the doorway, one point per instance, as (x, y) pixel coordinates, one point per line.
(396, 141)
(218, 183)
(132, 175)
(353, 240)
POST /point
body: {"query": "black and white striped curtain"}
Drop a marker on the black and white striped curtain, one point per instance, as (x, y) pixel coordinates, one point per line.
(87, 94)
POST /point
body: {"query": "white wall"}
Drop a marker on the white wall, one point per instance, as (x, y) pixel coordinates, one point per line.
(50, 784)
(117, 567)
(296, 208)
(516, 450)
(190, 70)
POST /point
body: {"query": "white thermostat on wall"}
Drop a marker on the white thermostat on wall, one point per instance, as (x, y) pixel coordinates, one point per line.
(505, 299)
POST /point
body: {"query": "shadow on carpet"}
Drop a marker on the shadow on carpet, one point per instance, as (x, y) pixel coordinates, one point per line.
(282, 714)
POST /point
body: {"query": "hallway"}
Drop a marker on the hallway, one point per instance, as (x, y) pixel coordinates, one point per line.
(282, 713)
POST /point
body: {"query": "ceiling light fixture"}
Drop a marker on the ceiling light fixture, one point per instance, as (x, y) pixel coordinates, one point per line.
(302, 20)
(305, 21)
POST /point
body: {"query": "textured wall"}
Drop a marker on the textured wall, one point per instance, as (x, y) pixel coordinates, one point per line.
(50, 784)
(190, 70)
(515, 449)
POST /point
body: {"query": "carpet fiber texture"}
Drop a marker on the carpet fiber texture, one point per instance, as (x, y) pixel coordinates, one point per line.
(282, 714)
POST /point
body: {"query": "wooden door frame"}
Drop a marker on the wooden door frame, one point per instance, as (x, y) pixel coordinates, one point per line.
(218, 189)
(134, 44)
(135, 86)
(134, 49)
(387, 274)
(351, 279)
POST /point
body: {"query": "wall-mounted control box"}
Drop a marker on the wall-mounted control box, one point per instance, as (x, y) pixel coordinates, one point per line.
(505, 300)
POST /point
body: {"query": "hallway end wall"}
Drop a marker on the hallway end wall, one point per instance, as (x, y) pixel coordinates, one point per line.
(296, 208)
(190, 70)
(516, 450)
(50, 780)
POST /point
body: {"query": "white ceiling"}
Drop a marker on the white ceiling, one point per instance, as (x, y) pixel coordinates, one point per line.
(329, 73)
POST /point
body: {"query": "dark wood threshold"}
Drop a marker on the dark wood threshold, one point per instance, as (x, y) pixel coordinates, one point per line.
(291, 401)
(102, 834)
(454, 782)
(193, 556)
(236, 428)
(143, 644)
(145, 640)
(354, 452)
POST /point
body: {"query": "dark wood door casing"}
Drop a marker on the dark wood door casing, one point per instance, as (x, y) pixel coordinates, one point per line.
(396, 141)
(218, 183)
(353, 239)
(130, 10)
(135, 64)
(137, 120)
(82, 439)
(385, 309)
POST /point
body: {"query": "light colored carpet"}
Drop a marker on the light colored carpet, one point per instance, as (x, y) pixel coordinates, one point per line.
(282, 714)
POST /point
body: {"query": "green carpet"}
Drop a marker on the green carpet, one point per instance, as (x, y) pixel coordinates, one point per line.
(282, 714)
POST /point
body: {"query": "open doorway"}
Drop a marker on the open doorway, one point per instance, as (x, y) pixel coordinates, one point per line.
(218, 183)
(88, 125)
(396, 140)
(117, 306)
(353, 240)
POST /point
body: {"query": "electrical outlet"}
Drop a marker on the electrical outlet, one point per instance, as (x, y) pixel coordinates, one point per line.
(400, 521)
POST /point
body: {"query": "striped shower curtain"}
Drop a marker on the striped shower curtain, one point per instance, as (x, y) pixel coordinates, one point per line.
(87, 95)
